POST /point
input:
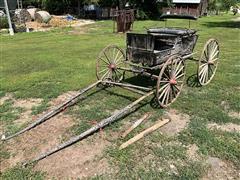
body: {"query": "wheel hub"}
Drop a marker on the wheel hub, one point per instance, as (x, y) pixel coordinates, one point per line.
(112, 66)
(210, 63)
(173, 81)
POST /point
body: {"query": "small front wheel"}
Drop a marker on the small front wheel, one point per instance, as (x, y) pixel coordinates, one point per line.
(109, 63)
(170, 81)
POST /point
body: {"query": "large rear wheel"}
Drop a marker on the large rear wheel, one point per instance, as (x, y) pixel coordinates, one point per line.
(170, 81)
(208, 62)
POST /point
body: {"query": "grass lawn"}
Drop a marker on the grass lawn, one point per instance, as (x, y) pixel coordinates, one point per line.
(47, 64)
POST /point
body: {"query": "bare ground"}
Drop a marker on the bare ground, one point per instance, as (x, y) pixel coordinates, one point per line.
(229, 127)
(179, 122)
(220, 170)
(85, 159)
(192, 152)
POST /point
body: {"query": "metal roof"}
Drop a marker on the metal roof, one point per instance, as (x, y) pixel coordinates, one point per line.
(187, 1)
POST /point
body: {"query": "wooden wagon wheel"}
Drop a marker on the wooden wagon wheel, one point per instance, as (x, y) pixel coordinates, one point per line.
(208, 62)
(108, 61)
(170, 81)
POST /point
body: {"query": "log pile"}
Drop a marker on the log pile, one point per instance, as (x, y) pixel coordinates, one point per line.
(22, 16)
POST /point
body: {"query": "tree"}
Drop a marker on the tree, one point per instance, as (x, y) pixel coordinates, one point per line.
(218, 5)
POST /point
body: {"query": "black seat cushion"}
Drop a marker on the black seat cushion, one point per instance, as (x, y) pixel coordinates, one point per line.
(171, 31)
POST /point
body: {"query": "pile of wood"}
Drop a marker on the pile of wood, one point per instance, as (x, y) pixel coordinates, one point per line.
(21, 16)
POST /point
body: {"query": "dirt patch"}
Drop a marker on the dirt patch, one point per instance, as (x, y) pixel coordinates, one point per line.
(234, 114)
(27, 103)
(220, 170)
(57, 22)
(6, 97)
(225, 105)
(236, 19)
(229, 127)
(85, 159)
(192, 152)
(178, 123)
(62, 98)
(36, 141)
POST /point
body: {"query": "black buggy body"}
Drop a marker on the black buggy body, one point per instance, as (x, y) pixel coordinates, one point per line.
(158, 44)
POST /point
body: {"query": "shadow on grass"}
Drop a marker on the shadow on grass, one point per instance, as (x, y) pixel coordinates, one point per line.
(225, 24)
(192, 81)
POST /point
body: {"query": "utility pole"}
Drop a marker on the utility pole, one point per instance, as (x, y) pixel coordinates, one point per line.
(9, 19)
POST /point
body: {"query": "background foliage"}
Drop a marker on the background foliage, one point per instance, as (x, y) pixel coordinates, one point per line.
(145, 9)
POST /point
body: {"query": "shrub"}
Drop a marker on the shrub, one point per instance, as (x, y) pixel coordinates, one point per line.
(3, 23)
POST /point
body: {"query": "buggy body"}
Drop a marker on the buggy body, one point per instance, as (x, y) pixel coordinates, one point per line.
(156, 45)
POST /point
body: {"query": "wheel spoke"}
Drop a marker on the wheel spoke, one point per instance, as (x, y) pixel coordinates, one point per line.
(203, 69)
(164, 81)
(206, 75)
(206, 56)
(179, 76)
(179, 71)
(200, 67)
(214, 55)
(107, 57)
(102, 71)
(166, 96)
(164, 92)
(164, 86)
(176, 88)
(116, 57)
(119, 58)
(213, 51)
(214, 60)
(177, 68)
(212, 70)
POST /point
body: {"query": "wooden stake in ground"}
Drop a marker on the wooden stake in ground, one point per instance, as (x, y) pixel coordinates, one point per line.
(136, 124)
(144, 133)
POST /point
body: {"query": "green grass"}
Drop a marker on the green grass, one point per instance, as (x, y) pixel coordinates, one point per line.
(47, 64)
(21, 174)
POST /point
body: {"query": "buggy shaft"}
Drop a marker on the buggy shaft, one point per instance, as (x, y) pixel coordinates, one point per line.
(119, 114)
(55, 111)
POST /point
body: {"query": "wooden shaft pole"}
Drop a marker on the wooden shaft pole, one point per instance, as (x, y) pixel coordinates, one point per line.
(144, 133)
(119, 114)
(127, 85)
(136, 124)
(54, 112)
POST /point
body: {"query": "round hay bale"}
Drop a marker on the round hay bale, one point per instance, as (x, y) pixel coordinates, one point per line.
(21, 16)
(32, 12)
(42, 17)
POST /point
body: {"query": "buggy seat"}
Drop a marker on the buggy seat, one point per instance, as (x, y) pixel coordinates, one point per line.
(173, 31)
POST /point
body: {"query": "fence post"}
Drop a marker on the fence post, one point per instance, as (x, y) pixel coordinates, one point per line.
(11, 32)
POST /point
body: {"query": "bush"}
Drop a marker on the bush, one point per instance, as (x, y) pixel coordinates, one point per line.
(3, 23)
(141, 15)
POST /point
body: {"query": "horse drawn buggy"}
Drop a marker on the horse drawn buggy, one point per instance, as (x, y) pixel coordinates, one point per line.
(159, 54)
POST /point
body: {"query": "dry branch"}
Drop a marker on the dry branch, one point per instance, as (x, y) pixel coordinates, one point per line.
(144, 133)
(136, 124)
